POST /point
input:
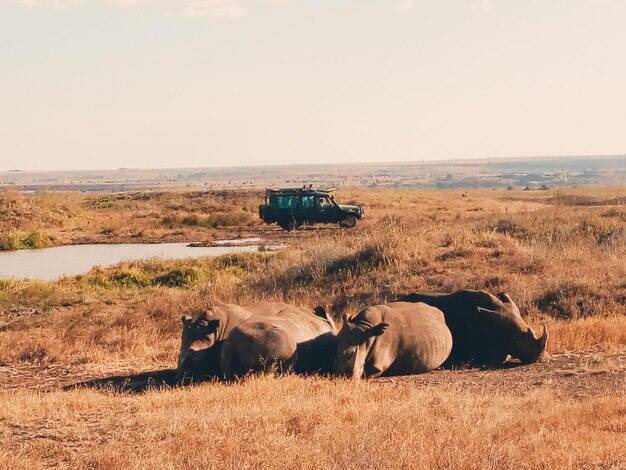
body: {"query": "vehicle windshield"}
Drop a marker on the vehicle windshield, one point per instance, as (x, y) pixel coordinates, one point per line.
(325, 202)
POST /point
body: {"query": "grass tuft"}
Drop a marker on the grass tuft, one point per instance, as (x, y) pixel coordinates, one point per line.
(16, 240)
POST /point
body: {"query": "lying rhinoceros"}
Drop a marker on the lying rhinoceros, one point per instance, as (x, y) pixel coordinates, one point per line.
(291, 339)
(398, 338)
(202, 337)
(485, 328)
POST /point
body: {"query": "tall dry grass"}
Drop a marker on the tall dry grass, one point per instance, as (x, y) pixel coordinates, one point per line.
(154, 216)
(293, 422)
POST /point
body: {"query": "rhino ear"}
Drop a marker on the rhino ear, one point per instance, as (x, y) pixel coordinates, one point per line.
(320, 312)
(504, 297)
(324, 315)
(186, 319)
(345, 318)
(376, 330)
(210, 326)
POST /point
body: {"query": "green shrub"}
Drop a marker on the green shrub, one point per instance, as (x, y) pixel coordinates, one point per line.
(14, 240)
(36, 240)
(10, 240)
(185, 277)
(120, 278)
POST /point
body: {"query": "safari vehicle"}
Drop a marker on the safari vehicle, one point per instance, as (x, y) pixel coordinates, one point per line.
(293, 207)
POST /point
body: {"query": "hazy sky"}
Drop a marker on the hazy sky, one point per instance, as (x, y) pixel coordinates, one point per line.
(161, 83)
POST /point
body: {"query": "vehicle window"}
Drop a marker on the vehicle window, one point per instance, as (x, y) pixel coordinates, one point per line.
(324, 202)
(308, 202)
(283, 202)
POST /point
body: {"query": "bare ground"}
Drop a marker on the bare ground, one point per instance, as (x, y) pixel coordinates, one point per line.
(575, 375)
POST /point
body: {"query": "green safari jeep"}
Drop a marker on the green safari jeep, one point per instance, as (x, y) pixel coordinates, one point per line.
(293, 207)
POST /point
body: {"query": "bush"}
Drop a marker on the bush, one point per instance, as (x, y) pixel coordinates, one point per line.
(10, 241)
(120, 279)
(570, 300)
(178, 278)
(36, 240)
(14, 240)
(510, 228)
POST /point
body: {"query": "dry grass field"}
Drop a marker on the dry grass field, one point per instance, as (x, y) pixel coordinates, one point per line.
(86, 362)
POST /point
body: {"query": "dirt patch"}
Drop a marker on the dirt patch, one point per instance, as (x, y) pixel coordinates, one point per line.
(57, 376)
(574, 374)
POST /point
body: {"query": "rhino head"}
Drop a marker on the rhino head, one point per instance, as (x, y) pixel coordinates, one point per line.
(197, 348)
(510, 333)
(354, 342)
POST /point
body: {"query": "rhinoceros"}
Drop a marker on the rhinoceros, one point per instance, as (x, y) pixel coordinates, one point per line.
(202, 337)
(485, 328)
(292, 339)
(399, 338)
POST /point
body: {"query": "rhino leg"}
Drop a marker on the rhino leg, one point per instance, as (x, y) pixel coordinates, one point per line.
(376, 366)
(229, 361)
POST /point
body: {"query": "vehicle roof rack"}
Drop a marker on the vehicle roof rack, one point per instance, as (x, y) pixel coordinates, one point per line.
(305, 188)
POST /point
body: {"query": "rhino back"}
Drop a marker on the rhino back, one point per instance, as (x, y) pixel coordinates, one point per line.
(417, 339)
(233, 315)
(268, 308)
(475, 337)
(285, 339)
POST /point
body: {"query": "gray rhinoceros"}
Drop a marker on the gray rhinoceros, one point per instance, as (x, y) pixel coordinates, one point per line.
(202, 337)
(292, 339)
(398, 338)
(485, 328)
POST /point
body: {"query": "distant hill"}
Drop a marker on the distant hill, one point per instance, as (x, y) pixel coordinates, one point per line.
(531, 173)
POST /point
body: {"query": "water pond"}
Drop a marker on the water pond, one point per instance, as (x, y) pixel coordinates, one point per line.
(51, 263)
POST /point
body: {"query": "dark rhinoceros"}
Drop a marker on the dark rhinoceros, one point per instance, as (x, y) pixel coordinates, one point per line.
(203, 336)
(292, 339)
(398, 338)
(485, 328)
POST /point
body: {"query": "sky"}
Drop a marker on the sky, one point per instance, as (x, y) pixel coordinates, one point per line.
(97, 84)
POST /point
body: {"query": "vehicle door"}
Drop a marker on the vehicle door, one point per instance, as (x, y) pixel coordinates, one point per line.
(307, 208)
(325, 209)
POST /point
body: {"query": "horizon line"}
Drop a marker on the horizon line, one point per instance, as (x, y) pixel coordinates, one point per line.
(396, 162)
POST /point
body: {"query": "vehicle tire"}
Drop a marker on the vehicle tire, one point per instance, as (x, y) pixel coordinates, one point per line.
(349, 222)
(289, 224)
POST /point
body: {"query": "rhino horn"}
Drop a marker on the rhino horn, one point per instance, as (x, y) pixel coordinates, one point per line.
(543, 339)
(537, 345)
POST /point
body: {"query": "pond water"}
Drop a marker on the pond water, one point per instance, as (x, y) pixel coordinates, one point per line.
(51, 263)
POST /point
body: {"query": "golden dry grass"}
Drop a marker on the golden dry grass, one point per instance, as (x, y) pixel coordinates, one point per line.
(73, 217)
(293, 422)
(560, 256)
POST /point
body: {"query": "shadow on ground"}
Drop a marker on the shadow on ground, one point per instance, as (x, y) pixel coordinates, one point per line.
(154, 379)
(132, 383)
